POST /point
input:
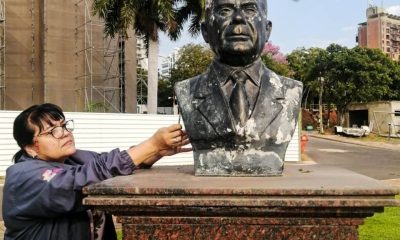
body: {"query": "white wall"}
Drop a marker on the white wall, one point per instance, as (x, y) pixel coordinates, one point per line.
(105, 131)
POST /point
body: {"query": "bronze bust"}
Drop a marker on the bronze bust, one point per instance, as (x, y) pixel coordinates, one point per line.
(239, 115)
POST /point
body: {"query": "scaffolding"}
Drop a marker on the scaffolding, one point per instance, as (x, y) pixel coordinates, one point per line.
(103, 74)
(2, 54)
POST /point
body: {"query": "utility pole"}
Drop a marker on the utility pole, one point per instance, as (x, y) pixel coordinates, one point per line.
(321, 114)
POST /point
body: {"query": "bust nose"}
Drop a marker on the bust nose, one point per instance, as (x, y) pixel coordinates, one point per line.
(238, 16)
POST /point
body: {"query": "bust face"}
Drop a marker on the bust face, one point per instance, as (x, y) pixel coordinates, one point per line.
(236, 30)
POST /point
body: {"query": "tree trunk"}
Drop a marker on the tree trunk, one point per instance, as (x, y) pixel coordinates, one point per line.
(152, 87)
(329, 113)
(341, 112)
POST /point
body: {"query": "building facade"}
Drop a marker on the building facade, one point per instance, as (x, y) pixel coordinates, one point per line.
(383, 117)
(55, 51)
(168, 63)
(380, 31)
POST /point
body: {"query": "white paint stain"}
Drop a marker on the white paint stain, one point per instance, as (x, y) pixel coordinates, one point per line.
(333, 150)
(274, 79)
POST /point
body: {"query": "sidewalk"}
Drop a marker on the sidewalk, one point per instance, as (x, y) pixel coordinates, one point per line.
(393, 145)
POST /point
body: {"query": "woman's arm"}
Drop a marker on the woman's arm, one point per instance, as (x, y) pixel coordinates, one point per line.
(165, 142)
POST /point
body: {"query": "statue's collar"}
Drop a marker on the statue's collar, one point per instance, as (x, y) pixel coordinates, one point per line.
(221, 72)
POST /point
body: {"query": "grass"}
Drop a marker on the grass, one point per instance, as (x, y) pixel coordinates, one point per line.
(376, 138)
(384, 225)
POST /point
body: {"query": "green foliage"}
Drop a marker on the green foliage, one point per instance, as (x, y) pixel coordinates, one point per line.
(146, 17)
(395, 86)
(192, 11)
(279, 68)
(97, 107)
(350, 75)
(165, 92)
(194, 59)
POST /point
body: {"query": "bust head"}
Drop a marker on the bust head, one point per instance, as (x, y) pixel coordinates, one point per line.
(236, 29)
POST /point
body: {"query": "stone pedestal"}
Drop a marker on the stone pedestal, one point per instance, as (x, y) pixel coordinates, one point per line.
(307, 202)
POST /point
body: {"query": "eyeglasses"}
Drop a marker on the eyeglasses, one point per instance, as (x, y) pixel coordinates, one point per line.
(58, 132)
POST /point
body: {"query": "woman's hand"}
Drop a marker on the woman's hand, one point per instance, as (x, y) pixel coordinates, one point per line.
(170, 140)
(166, 141)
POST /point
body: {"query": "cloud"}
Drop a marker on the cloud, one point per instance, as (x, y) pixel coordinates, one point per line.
(395, 10)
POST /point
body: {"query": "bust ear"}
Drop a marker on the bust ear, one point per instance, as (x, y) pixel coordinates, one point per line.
(204, 31)
(268, 30)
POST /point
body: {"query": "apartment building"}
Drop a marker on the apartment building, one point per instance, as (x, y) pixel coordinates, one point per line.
(168, 63)
(380, 31)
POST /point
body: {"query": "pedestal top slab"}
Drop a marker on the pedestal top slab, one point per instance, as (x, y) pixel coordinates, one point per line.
(297, 180)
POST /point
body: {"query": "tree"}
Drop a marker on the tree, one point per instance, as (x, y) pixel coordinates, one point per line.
(350, 75)
(146, 17)
(360, 75)
(275, 60)
(193, 11)
(395, 86)
(194, 59)
(305, 66)
(165, 92)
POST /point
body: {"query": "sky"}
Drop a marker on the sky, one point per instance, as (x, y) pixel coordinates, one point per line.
(306, 23)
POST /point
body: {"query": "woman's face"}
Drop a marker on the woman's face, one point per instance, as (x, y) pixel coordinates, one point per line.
(50, 148)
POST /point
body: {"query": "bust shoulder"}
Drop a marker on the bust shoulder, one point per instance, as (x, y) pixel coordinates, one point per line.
(286, 82)
(189, 83)
(291, 83)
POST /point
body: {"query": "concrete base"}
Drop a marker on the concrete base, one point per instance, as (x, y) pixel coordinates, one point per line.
(307, 202)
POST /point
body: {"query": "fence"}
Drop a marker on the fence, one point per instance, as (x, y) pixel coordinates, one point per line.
(105, 131)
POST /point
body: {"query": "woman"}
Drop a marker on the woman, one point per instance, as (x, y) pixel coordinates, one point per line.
(43, 190)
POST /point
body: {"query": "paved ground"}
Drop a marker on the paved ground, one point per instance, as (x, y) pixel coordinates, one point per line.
(378, 163)
(395, 146)
(389, 145)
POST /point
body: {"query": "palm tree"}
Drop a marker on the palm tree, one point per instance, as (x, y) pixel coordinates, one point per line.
(193, 11)
(147, 18)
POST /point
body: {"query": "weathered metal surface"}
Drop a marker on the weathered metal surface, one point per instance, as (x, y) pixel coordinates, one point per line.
(256, 144)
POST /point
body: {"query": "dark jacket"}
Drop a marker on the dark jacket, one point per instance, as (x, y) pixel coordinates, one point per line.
(43, 200)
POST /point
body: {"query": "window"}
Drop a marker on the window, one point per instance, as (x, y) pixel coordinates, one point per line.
(397, 113)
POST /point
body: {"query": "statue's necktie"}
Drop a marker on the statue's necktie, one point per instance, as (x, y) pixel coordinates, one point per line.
(238, 101)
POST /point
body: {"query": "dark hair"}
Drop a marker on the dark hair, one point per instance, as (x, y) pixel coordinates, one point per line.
(35, 115)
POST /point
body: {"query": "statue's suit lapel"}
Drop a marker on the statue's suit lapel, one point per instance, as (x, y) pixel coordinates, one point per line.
(269, 101)
(210, 102)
